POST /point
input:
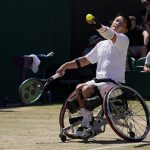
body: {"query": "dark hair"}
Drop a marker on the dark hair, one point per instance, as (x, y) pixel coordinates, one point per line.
(126, 17)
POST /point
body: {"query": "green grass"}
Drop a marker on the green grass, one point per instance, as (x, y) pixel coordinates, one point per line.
(37, 128)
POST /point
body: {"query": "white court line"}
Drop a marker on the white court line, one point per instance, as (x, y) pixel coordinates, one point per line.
(116, 146)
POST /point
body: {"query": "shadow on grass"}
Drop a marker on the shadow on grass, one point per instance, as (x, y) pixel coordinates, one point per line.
(93, 141)
(143, 144)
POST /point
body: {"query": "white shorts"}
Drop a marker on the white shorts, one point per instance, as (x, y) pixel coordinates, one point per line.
(103, 87)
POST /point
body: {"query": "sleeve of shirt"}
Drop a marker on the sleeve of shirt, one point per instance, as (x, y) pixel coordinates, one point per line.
(92, 55)
(122, 42)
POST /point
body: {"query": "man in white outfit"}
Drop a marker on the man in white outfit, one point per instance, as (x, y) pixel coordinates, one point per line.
(110, 56)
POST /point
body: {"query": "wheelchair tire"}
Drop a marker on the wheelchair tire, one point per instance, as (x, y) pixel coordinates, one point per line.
(127, 113)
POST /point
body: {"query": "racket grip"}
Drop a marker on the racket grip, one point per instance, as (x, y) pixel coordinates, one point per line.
(57, 75)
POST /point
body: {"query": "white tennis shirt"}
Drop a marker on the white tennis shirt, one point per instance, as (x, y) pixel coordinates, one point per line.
(110, 58)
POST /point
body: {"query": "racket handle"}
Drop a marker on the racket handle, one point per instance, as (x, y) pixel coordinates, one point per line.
(57, 75)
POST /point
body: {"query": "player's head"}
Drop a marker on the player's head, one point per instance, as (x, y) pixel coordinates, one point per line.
(121, 23)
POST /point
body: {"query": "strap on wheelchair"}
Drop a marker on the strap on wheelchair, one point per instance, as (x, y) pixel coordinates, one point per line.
(93, 102)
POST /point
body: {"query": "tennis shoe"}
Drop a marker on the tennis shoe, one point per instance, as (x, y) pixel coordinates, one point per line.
(85, 124)
(96, 127)
(80, 131)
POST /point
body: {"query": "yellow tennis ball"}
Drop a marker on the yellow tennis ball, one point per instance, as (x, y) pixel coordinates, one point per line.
(89, 17)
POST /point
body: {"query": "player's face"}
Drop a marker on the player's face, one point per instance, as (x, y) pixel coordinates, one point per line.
(119, 25)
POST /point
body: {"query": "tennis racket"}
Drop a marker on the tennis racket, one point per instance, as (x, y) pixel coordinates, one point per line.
(31, 89)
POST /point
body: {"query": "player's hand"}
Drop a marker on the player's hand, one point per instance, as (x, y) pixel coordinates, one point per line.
(90, 19)
(93, 21)
(61, 71)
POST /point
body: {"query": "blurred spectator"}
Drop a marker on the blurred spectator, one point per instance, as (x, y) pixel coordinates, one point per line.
(146, 14)
(93, 40)
(147, 63)
(139, 38)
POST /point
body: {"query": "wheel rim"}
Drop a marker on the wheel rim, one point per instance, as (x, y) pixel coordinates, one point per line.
(131, 119)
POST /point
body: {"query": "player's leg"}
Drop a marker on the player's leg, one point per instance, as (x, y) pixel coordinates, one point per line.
(83, 92)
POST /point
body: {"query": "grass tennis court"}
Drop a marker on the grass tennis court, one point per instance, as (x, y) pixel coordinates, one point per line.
(37, 128)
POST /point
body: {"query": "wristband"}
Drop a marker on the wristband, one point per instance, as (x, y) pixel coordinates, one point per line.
(96, 24)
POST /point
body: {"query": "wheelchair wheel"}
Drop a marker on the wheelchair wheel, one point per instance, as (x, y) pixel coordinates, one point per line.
(69, 122)
(127, 113)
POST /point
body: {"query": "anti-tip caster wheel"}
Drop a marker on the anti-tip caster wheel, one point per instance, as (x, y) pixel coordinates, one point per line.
(62, 137)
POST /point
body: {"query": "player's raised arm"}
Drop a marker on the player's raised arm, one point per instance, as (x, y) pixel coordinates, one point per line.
(104, 31)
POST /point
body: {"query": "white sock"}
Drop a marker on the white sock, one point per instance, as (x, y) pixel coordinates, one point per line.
(86, 114)
(86, 117)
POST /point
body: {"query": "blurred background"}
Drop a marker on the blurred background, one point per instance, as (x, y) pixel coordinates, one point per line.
(39, 27)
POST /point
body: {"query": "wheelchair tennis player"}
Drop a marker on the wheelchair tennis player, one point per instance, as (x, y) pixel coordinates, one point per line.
(110, 56)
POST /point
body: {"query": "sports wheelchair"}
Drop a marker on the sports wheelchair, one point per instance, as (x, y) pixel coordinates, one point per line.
(123, 109)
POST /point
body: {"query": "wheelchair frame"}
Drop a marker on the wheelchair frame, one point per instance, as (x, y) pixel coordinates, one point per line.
(123, 109)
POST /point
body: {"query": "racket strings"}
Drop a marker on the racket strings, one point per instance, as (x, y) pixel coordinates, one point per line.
(31, 90)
